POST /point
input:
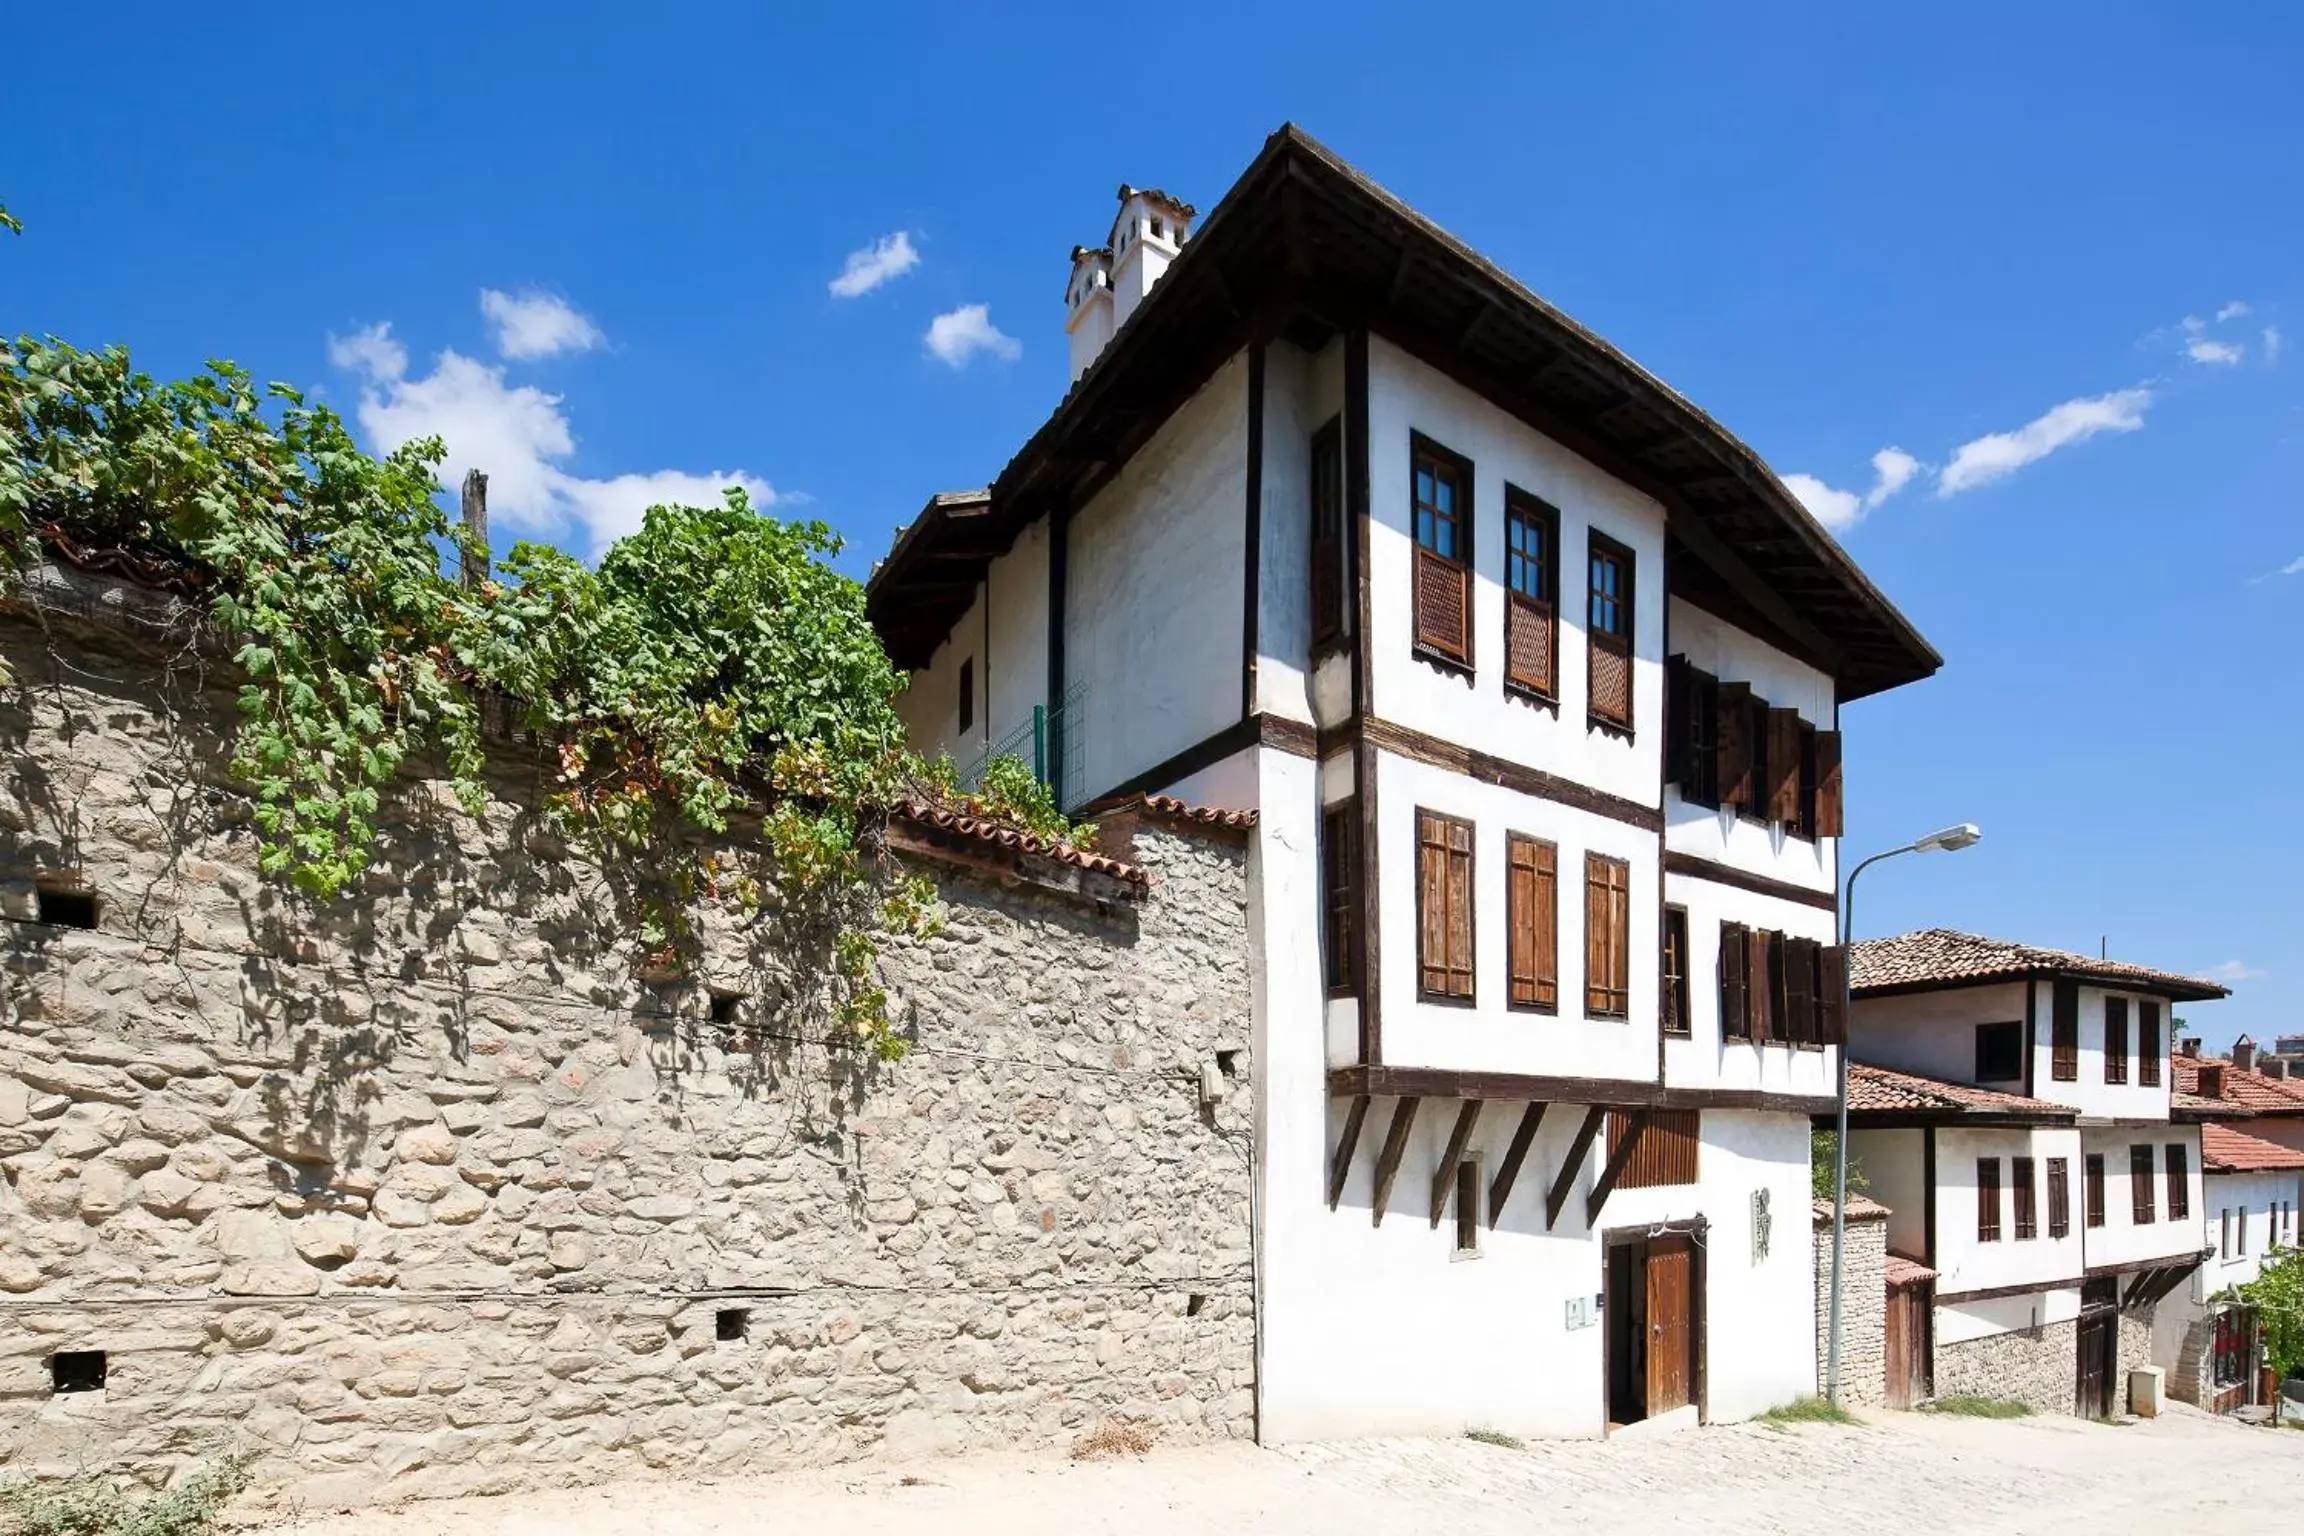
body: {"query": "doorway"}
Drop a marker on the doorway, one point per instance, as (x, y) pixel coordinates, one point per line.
(2097, 1375)
(1653, 1323)
(1911, 1340)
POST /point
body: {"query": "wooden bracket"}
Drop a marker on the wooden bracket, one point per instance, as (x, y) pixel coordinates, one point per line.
(1572, 1164)
(1500, 1187)
(1388, 1160)
(1617, 1160)
(1444, 1176)
(1340, 1166)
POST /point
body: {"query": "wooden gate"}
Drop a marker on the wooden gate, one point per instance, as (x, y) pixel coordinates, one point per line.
(1911, 1309)
(1671, 1324)
(2098, 1368)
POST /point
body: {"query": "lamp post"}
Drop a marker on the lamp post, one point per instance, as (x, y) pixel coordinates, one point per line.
(1949, 840)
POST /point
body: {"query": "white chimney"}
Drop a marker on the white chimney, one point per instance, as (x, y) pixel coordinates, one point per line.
(1108, 284)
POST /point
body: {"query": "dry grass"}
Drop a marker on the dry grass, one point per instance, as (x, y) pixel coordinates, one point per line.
(1113, 1437)
(1495, 1437)
(1975, 1406)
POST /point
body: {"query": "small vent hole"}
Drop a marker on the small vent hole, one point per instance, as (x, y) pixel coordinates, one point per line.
(76, 1370)
(1228, 1063)
(1195, 1304)
(731, 1324)
(724, 1006)
(66, 904)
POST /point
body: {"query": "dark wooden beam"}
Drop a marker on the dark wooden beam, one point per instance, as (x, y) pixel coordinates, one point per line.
(1400, 270)
(1636, 1093)
(1388, 1160)
(1465, 337)
(1444, 1176)
(1617, 1162)
(1729, 566)
(1572, 1164)
(1500, 1187)
(1340, 1166)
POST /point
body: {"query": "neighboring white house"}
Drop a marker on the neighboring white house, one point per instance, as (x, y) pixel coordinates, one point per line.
(1532, 676)
(2014, 1105)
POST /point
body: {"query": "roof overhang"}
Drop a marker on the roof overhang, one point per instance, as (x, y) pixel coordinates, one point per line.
(2162, 984)
(1304, 246)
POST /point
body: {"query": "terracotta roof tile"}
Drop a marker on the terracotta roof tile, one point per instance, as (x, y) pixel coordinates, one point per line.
(2247, 1092)
(1860, 1208)
(1904, 1271)
(1881, 1090)
(2226, 1150)
(987, 833)
(1946, 955)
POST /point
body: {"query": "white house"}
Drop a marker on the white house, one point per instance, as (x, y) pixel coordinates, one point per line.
(1532, 676)
(2014, 1105)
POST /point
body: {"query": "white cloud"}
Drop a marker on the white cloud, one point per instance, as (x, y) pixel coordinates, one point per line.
(2231, 970)
(882, 261)
(2271, 345)
(2294, 567)
(2201, 350)
(1892, 470)
(2000, 454)
(956, 337)
(532, 324)
(2232, 311)
(516, 434)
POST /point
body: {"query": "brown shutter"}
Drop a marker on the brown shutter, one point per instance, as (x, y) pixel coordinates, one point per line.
(1799, 966)
(1666, 1154)
(2027, 1213)
(1529, 651)
(2059, 1197)
(1431, 903)
(2148, 1044)
(1340, 891)
(2116, 1040)
(1732, 743)
(1443, 605)
(1781, 796)
(1607, 936)
(1735, 1022)
(1987, 1199)
(1460, 909)
(1609, 674)
(1832, 989)
(1759, 983)
(1829, 812)
(2064, 1032)
(1532, 917)
(2140, 1184)
(1595, 937)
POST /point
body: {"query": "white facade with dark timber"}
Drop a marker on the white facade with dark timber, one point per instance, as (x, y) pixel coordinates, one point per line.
(1532, 675)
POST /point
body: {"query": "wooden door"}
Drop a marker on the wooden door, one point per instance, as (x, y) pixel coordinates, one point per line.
(2099, 1339)
(1909, 1371)
(1671, 1323)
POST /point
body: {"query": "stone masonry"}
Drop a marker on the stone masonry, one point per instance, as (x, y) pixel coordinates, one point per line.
(430, 1191)
(1863, 1301)
(2037, 1366)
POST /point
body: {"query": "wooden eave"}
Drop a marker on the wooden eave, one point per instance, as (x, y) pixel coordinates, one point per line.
(1304, 246)
(1620, 1093)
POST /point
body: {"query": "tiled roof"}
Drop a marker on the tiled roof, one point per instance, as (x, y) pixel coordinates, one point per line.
(990, 834)
(2226, 1150)
(2249, 1092)
(1880, 1090)
(1935, 955)
(1860, 1208)
(1169, 808)
(1903, 1271)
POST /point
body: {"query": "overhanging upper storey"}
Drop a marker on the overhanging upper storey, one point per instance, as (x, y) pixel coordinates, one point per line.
(1304, 246)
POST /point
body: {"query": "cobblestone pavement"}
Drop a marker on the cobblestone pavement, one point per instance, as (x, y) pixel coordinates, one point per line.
(1952, 1477)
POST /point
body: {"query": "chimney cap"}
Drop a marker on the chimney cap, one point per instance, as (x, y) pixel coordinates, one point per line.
(1155, 195)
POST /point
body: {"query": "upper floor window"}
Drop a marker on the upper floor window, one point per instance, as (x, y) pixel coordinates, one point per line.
(2148, 1044)
(2064, 1035)
(1531, 595)
(1328, 533)
(1532, 923)
(2059, 1197)
(1987, 1199)
(1607, 937)
(1443, 521)
(2179, 1183)
(1676, 970)
(2115, 1040)
(967, 695)
(1340, 896)
(1443, 907)
(1999, 1053)
(2140, 1184)
(2020, 1182)
(2092, 1172)
(1726, 746)
(1608, 632)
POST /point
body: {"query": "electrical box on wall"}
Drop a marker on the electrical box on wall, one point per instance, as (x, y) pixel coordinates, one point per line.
(1583, 1311)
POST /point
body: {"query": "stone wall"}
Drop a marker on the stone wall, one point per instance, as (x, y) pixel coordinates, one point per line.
(428, 1191)
(2036, 1366)
(1863, 1302)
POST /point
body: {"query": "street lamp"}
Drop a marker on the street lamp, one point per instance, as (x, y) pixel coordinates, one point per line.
(1949, 840)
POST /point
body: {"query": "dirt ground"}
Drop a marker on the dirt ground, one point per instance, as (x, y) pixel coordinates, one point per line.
(1897, 1471)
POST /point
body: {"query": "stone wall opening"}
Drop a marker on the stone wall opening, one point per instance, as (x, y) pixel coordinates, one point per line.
(77, 1370)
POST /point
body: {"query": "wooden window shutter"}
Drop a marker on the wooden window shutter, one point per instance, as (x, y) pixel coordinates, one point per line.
(1444, 906)
(1987, 1199)
(1759, 983)
(2092, 1188)
(1666, 1154)
(2059, 1197)
(1328, 533)
(1735, 1019)
(1607, 937)
(1340, 895)
(2179, 1184)
(1532, 919)
(1832, 993)
(1677, 736)
(1829, 811)
(2115, 1040)
(1443, 605)
(2140, 1172)
(2027, 1213)
(1780, 797)
(1530, 648)
(1799, 965)
(1732, 743)
(2064, 1032)
(2148, 1044)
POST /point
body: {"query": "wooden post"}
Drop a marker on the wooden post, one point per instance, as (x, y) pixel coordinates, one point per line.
(1444, 1176)
(1500, 1188)
(1340, 1167)
(474, 563)
(1388, 1160)
(1572, 1164)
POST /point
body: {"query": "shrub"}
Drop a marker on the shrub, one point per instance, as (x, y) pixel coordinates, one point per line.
(1976, 1406)
(91, 1505)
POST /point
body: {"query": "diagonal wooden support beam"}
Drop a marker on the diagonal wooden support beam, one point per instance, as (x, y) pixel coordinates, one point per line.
(1572, 1164)
(1340, 1166)
(1615, 1169)
(1444, 1176)
(1500, 1188)
(1388, 1160)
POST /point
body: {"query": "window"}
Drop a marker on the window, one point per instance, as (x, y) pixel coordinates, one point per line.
(1532, 922)
(1531, 595)
(1467, 1206)
(1804, 809)
(2231, 1353)
(2027, 1214)
(1666, 1153)
(2224, 1241)
(1608, 633)
(2115, 1040)
(2179, 1184)
(967, 695)
(2140, 1184)
(1443, 907)
(1780, 788)
(1676, 970)
(1328, 534)
(1735, 999)
(1340, 893)
(1754, 805)
(2240, 1230)
(1999, 1053)
(1691, 751)
(1607, 937)
(2093, 1172)
(1443, 518)
(1987, 1199)
(2059, 1198)
(2064, 1035)
(2148, 1044)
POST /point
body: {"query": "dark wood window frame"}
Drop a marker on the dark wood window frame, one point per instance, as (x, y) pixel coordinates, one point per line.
(1432, 570)
(1340, 898)
(2116, 1040)
(1691, 728)
(2092, 1178)
(2064, 1032)
(1607, 937)
(2179, 1183)
(1675, 978)
(2140, 1180)
(1456, 964)
(2148, 1043)
(2020, 1181)
(1531, 597)
(2000, 1045)
(1531, 885)
(1987, 1199)
(1617, 640)
(1735, 971)
(2059, 1197)
(1329, 561)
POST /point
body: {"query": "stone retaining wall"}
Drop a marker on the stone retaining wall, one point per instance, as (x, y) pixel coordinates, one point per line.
(428, 1192)
(1863, 1304)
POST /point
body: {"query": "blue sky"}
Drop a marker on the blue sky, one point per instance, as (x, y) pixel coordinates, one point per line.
(1974, 235)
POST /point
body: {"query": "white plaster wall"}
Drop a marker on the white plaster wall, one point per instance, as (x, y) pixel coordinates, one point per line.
(1231, 784)
(1934, 1033)
(1381, 1330)
(1895, 1163)
(1152, 609)
(2090, 1094)
(1302, 391)
(2121, 1240)
(1005, 632)
(2006, 1314)
(1489, 1036)
(1706, 1059)
(1964, 1264)
(1405, 396)
(1728, 653)
(1290, 1079)
(2250, 1197)
(929, 706)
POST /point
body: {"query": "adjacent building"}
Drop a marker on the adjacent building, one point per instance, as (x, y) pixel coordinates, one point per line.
(2015, 1107)
(1532, 675)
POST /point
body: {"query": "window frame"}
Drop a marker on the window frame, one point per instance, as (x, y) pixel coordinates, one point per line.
(2059, 1197)
(1452, 886)
(2063, 1032)
(1422, 449)
(2024, 1190)
(1470, 1211)
(1987, 1200)
(2142, 1208)
(1598, 545)
(2015, 1027)
(2149, 1037)
(1675, 1001)
(1733, 960)
(1618, 928)
(1543, 607)
(2177, 1162)
(2092, 1189)
(2116, 1042)
(1543, 866)
(1340, 898)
